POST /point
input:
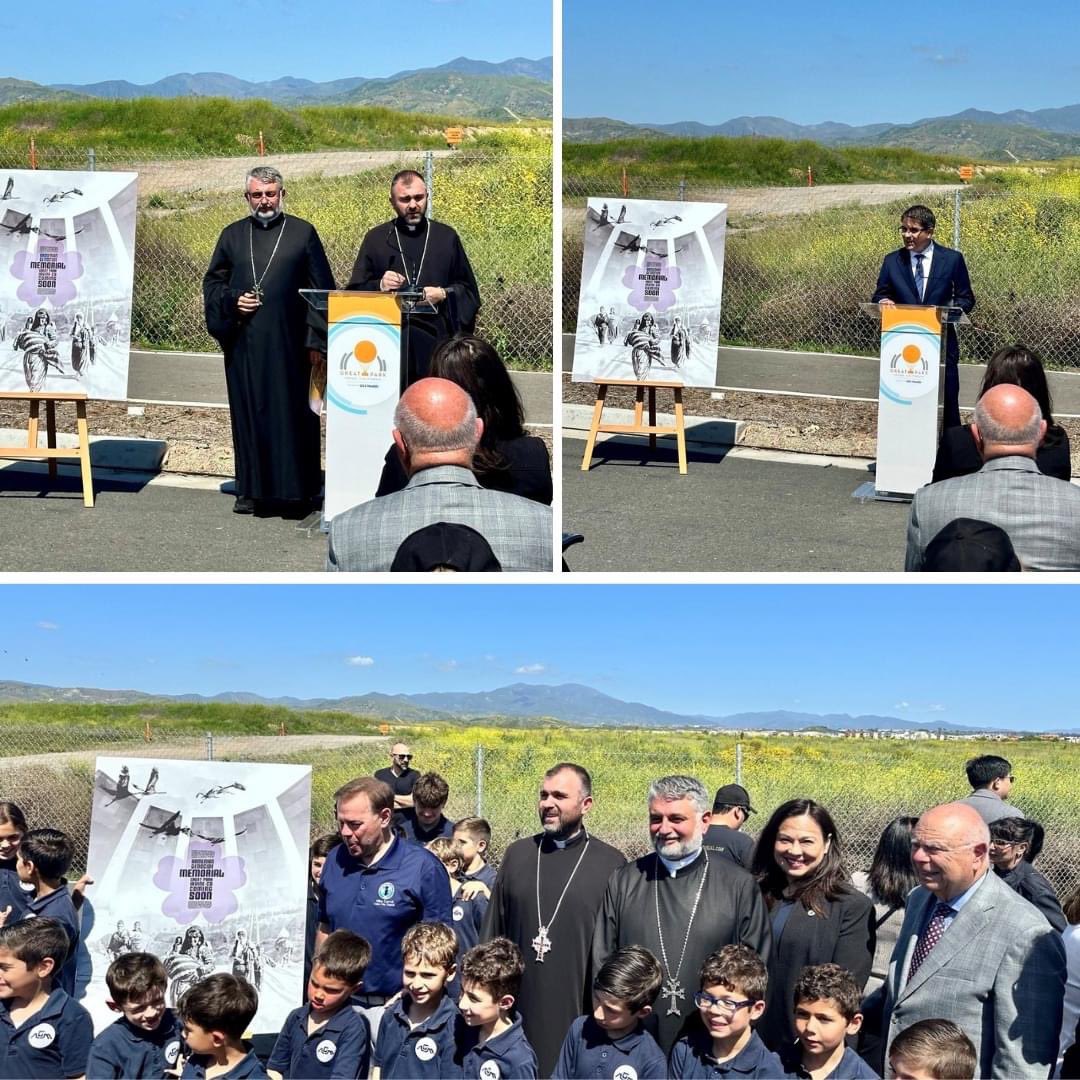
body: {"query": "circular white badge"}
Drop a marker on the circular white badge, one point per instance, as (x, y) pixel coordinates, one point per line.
(426, 1049)
(490, 1071)
(458, 913)
(41, 1036)
(625, 1072)
(172, 1051)
(325, 1051)
(386, 890)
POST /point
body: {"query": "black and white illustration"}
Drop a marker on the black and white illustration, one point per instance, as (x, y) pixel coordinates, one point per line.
(67, 256)
(651, 282)
(204, 864)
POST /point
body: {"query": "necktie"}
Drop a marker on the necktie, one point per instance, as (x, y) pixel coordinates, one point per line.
(931, 936)
(920, 280)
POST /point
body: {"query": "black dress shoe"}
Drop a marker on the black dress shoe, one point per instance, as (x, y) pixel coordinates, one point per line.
(243, 505)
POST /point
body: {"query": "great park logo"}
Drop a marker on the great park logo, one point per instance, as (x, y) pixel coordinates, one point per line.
(362, 363)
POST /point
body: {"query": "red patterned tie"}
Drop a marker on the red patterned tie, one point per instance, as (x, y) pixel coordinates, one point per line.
(931, 936)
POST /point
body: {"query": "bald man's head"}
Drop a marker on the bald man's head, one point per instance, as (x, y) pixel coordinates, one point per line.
(949, 849)
(1008, 420)
(435, 423)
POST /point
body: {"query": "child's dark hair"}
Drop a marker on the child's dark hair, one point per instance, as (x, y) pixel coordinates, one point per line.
(49, 850)
(631, 975)
(134, 975)
(11, 814)
(496, 967)
(432, 943)
(939, 1045)
(430, 791)
(344, 955)
(829, 982)
(737, 967)
(34, 940)
(322, 846)
(221, 1002)
(476, 827)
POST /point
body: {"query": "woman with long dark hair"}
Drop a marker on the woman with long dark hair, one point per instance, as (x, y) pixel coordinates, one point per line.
(817, 916)
(1016, 365)
(13, 828)
(507, 458)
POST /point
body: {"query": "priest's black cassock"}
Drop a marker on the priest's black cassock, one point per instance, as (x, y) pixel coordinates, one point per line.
(731, 911)
(394, 246)
(555, 992)
(267, 366)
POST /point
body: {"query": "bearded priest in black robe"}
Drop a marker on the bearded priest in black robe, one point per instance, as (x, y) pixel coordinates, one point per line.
(566, 870)
(412, 253)
(679, 903)
(255, 312)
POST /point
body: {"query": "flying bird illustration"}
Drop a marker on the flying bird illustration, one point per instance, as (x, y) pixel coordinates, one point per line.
(218, 789)
(169, 827)
(19, 224)
(60, 195)
(9, 189)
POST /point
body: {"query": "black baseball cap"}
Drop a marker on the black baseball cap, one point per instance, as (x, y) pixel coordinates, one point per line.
(967, 545)
(734, 795)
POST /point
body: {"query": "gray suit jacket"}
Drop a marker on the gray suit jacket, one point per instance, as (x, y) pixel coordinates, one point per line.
(998, 973)
(367, 536)
(990, 807)
(1040, 513)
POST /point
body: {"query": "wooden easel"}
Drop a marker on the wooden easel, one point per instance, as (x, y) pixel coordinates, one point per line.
(638, 427)
(51, 452)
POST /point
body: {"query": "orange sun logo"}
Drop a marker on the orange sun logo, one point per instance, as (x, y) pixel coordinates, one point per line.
(911, 354)
(365, 351)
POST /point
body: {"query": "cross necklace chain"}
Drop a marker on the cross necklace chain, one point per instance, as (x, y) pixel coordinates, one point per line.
(256, 287)
(673, 989)
(541, 944)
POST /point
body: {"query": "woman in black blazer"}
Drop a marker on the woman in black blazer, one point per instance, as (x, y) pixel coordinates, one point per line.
(1019, 366)
(507, 459)
(818, 917)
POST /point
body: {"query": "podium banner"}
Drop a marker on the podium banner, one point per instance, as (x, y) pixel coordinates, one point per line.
(362, 387)
(67, 252)
(652, 275)
(203, 864)
(907, 398)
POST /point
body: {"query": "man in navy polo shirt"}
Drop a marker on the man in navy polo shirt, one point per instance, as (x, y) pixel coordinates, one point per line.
(377, 886)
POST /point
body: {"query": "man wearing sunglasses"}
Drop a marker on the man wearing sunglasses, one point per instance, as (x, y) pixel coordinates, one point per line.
(925, 272)
(413, 255)
(991, 780)
(400, 776)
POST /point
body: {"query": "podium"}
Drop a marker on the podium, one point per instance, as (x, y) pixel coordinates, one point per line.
(909, 391)
(366, 373)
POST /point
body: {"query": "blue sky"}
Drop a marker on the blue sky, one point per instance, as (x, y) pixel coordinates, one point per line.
(265, 39)
(842, 60)
(909, 651)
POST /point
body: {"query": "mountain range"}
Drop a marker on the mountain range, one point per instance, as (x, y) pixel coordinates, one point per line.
(1018, 134)
(513, 89)
(571, 704)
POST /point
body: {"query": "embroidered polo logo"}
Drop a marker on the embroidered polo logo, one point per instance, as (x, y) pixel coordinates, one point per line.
(325, 1051)
(625, 1072)
(41, 1036)
(426, 1049)
(490, 1071)
(172, 1051)
(459, 913)
(386, 890)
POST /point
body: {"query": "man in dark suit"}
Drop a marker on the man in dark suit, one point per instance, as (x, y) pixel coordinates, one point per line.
(923, 272)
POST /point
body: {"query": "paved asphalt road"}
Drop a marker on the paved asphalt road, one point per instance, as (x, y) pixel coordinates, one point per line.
(729, 513)
(140, 526)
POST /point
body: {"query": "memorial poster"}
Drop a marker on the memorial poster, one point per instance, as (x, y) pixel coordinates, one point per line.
(204, 864)
(651, 281)
(67, 257)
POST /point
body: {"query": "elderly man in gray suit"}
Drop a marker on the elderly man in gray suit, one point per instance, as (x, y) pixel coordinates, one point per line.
(436, 431)
(1041, 514)
(972, 951)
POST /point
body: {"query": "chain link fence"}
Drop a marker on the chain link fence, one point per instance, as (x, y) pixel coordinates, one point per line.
(49, 773)
(499, 201)
(798, 261)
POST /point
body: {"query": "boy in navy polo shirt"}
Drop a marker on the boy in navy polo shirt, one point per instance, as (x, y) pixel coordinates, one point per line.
(327, 1037)
(145, 1041)
(496, 1048)
(473, 838)
(317, 854)
(216, 1013)
(614, 1037)
(419, 1033)
(733, 981)
(828, 1008)
(933, 1048)
(43, 1032)
(467, 910)
(424, 821)
(43, 860)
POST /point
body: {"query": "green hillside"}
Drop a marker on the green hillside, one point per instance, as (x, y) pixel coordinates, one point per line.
(21, 91)
(478, 96)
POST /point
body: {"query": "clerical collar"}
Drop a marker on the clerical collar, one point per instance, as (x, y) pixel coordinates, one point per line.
(403, 226)
(560, 844)
(673, 866)
(270, 223)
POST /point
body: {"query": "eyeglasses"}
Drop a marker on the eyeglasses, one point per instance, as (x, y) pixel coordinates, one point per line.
(403, 757)
(707, 1001)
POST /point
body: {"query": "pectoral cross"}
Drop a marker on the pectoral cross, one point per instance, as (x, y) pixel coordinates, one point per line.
(675, 993)
(541, 944)
(258, 293)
